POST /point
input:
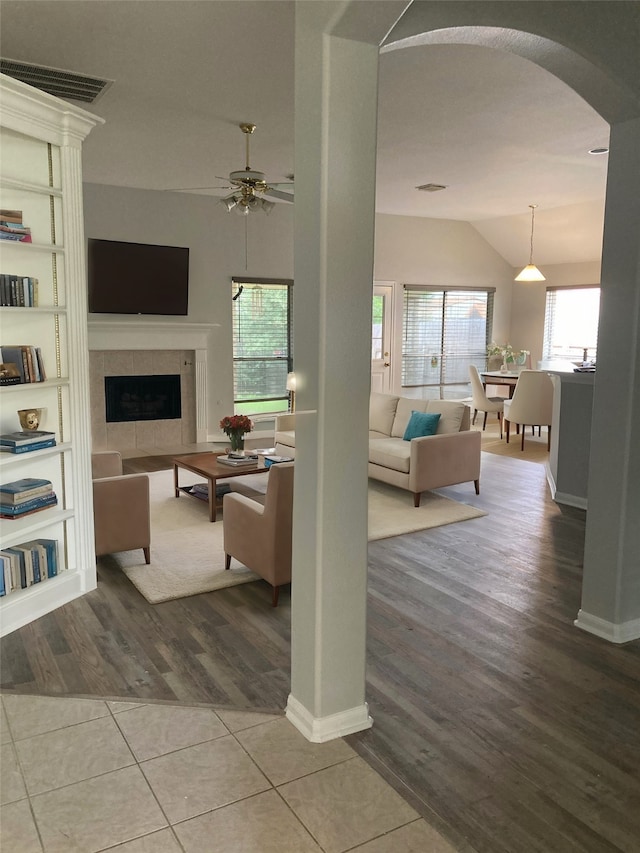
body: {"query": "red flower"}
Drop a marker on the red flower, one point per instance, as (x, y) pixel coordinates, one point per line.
(236, 424)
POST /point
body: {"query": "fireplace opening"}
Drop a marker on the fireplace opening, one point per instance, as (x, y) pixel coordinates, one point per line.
(142, 398)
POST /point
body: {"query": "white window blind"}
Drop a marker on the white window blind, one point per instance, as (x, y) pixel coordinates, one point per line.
(444, 331)
(262, 337)
(571, 323)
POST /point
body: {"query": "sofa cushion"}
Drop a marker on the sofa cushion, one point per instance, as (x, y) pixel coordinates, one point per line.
(451, 414)
(421, 423)
(403, 413)
(382, 410)
(390, 453)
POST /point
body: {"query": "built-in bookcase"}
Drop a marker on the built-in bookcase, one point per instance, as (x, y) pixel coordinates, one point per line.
(41, 175)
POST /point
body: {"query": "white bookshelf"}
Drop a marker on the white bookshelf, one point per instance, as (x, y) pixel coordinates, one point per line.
(41, 174)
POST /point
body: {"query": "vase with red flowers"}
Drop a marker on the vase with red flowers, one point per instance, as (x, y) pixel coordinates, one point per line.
(236, 427)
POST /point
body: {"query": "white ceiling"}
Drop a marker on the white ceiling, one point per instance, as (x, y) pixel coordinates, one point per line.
(498, 131)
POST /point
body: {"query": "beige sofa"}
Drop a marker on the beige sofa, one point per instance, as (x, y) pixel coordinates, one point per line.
(450, 456)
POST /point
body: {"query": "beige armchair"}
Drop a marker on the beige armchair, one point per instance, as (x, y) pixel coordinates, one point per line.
(259, 536)
(120, 506)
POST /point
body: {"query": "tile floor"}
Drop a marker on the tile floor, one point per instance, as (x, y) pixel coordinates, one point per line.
(84, 775)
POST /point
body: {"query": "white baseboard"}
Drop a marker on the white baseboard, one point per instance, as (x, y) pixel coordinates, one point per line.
(615, 633)
(563, 497)
(321, 729)
(570, 500)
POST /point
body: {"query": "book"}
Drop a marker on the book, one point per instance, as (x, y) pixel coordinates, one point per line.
(21, 437)
(274, 460)
(245, 461)
(11, 569)
(27, 448)
(19, 490)
(21, 572)
(10, 215)
(51, 548)
(38, 559)
(27, 507)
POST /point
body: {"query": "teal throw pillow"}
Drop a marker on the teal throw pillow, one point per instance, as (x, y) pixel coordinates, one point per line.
(421, 423)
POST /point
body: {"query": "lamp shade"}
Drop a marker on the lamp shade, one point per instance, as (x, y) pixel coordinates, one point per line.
(530, 273)
(291, 382)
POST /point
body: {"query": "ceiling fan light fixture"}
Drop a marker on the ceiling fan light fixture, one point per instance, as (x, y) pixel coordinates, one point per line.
(229, 203)
(531, 271)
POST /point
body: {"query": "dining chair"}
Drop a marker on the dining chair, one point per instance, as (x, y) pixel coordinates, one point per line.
(531, 404)
(479, 400)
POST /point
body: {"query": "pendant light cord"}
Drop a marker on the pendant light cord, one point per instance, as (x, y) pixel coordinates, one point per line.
(533, 213)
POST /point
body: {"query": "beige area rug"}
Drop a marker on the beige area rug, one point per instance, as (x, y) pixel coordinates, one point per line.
(187, 555)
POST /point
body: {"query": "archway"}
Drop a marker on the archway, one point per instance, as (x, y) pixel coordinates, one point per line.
(336, 66)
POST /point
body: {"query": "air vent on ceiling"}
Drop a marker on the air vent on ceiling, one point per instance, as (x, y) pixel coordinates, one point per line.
(55, 81)
(431, 188)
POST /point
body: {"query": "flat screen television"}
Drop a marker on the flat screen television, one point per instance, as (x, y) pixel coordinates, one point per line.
(137, 278)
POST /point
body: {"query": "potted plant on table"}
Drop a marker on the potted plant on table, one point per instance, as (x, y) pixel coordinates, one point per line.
(509, 355)
(236, 426)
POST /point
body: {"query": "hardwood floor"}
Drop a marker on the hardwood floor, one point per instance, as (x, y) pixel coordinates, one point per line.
(508, 728)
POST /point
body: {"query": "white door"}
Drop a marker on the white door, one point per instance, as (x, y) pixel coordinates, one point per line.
(381, 338)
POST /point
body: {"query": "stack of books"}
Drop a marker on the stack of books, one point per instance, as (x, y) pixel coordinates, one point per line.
(24, 441)
(26, 564)
(11, 227)
(26, 496)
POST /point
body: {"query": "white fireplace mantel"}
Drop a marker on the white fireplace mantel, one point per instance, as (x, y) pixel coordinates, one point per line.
(110, 335)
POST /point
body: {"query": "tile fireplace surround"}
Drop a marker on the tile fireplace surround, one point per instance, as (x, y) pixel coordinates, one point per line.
(147, 349)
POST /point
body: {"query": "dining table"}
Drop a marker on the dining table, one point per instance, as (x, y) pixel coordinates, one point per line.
(498, 377)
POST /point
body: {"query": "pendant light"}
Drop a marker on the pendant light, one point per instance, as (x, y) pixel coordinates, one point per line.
(531, 271)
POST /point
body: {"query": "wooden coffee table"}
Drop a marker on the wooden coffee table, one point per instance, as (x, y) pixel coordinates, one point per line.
(206, 465)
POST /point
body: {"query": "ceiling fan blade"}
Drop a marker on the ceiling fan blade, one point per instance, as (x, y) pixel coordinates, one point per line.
(270, 192)
(196, 189)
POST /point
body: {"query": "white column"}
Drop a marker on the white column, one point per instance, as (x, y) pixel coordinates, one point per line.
(611, 582)
(336, 102)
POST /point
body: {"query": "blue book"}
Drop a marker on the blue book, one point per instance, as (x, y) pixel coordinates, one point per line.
(51, 547)
(26, 484)
(26, 436)
(27, 448)
(16, 510)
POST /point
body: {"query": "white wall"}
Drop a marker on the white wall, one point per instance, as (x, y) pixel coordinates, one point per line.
(441, 252)
(408, 250)
(529, 298)
(216, 240)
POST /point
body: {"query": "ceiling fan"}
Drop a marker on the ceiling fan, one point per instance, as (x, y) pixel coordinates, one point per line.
(250, 189)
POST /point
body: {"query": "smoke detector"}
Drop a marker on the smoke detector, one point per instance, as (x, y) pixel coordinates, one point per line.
(431, 188)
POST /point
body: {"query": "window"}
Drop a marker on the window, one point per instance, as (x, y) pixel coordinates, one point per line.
(444, 331)
(262, 337)
(571, 323)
